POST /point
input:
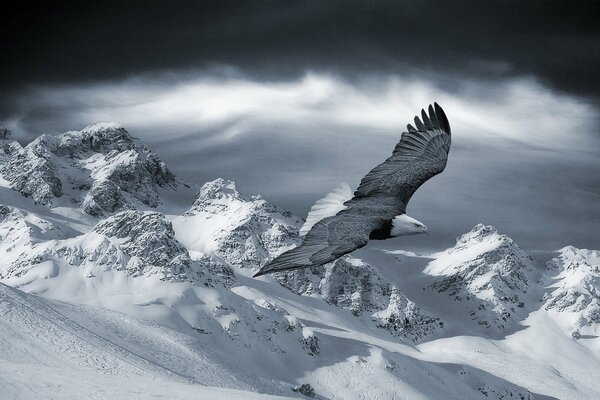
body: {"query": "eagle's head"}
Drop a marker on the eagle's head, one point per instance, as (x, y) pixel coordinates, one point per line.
(404, 225)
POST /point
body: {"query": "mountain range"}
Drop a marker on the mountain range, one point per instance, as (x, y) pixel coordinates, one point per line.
(120, 280)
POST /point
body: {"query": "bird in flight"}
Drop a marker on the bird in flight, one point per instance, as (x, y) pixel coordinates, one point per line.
(343, 222)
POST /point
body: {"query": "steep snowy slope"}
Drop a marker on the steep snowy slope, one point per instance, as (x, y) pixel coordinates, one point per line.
(62, 351)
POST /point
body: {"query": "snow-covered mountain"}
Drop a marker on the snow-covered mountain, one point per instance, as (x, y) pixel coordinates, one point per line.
(246, 231)
(489, 274)
(119, 277)
(100, 169)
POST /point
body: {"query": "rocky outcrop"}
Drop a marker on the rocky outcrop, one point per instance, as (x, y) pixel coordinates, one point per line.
(352, 284)
(7, 146)
(403, 318)
(148, 238)
(349, 283)
(140, 243)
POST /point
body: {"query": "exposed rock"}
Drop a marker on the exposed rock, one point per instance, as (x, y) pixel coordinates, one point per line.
(349, 283)
(404, 318)
(7, 146)
(137, 242)
(352, 284)
(305, 389)
(150, 238)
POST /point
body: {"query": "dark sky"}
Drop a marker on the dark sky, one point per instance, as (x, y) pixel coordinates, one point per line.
(88, 40)
(290, 98)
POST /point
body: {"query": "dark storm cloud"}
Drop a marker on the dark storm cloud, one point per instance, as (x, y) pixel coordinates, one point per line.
(88, 41)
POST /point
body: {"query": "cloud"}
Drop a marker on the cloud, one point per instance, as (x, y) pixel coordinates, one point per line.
(523, 156)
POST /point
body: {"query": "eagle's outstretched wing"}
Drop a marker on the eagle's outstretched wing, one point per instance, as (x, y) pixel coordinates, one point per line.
(421, 153)
(382, 194)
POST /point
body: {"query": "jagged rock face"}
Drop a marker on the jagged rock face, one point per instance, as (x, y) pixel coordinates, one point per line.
(577, 285)
(404, 318)
(150, 238)
(354, 285)
(348, 282)
(102, 169)
(267, 324)
(486, 270)
(246, 231)
(33, 174)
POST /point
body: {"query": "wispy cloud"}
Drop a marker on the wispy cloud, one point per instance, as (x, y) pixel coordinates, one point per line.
(518, 108)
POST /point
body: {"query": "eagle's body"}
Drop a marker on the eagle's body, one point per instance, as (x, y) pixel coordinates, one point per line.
(338, 224)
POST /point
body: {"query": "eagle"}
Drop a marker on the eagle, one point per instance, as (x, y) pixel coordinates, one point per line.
(343, 222)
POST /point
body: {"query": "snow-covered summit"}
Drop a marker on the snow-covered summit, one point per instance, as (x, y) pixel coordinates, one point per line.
(150, 238)
(244, 230)
(219, 189)
(100, 169)
(489, 272)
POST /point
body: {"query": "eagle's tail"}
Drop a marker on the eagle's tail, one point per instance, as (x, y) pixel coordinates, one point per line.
(298, 257)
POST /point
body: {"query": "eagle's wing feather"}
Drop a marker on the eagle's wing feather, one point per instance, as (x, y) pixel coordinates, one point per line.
(328, 206)
(421, 153)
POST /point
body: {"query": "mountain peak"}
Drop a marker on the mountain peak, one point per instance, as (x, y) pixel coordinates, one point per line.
(477, 234)
(218, 188)
(488, 271)
(102, 126)
(102, 169)
(576, 287)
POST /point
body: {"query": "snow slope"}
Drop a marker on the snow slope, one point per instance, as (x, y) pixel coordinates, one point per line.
(152, 296)
(57, 350)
